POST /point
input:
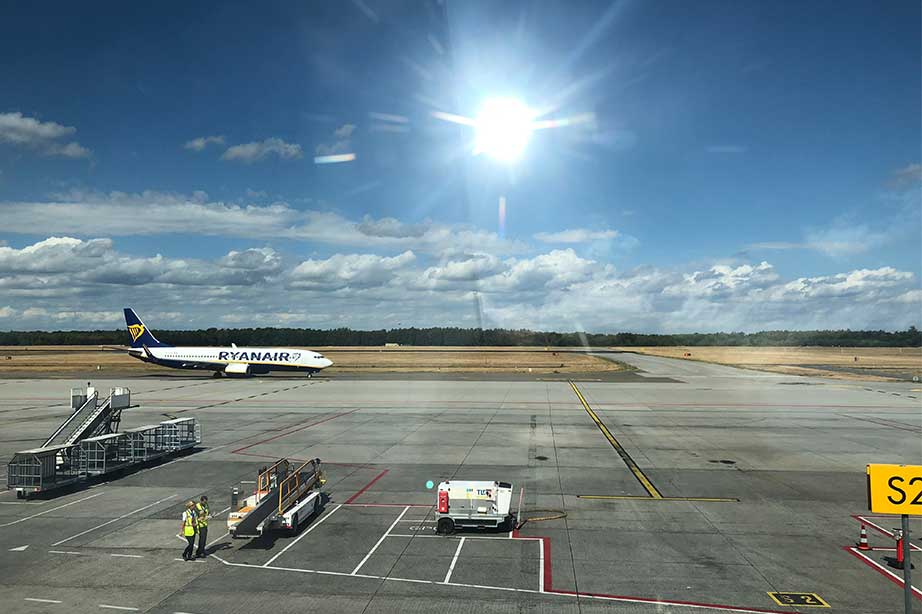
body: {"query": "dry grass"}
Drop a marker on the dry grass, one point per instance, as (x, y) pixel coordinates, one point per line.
(63, 359)
(872, 363)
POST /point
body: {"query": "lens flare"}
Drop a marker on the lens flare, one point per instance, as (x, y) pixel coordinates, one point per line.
(503, 127)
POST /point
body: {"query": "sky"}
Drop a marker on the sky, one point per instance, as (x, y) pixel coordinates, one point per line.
(688, 166)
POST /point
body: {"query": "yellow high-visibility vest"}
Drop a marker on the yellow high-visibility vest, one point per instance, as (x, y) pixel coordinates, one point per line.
(202, 515)
(188, 524)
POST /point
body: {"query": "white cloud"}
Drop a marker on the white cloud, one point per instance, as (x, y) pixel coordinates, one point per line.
(577, 235)
(348, 270)
(557, 290)
(200, 143)
(471, 269)
(17, 129)
(151, 213)
(908, 175)
(341, 144)
(259, 150)
(62, 264)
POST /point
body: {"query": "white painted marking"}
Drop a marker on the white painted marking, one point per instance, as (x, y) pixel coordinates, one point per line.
(117, 607)
(540, 565)
(129, 556)
(454, 560)
(108, 522)
(298, 538)
(898, 578)
(867, 521)
(383, 537)
(19, 549)
(655, 602)
(49, 511)
(21, 503)
(64, 552)
(41, 600)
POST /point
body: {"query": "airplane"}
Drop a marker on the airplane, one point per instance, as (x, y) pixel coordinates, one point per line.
(222, 360)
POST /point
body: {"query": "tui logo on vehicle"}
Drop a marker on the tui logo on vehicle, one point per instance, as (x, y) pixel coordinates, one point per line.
(136, 330)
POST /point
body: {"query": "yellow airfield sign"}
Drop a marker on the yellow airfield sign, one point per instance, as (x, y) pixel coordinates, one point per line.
(895, 489)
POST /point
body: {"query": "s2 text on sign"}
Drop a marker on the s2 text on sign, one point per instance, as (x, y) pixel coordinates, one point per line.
(895, 489)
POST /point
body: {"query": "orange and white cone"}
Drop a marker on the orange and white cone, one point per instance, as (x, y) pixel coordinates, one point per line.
(863, 539)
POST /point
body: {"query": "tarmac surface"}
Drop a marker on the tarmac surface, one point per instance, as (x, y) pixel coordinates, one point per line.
(687, 487)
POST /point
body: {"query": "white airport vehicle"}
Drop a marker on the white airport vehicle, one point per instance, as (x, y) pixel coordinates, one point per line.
(285, 497)
(474, 504)
(222, 360)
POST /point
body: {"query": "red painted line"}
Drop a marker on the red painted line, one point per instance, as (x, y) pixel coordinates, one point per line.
(292, 431)
(365, 487)
(881, 570)
(548, 588)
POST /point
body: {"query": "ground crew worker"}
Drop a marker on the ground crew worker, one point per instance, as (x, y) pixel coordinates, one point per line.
(201, 512)
(189, 530)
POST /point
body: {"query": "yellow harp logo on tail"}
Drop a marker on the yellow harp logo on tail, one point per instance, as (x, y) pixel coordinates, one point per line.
(136, 331)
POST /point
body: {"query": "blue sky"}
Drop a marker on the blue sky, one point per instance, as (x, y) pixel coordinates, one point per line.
(735, 167)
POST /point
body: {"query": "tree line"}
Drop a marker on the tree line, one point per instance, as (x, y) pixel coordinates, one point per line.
(450, 336)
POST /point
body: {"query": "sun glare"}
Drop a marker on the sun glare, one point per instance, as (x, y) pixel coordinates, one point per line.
(503, 127)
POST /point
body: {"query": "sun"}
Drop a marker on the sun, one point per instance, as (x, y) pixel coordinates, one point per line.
(503, 127)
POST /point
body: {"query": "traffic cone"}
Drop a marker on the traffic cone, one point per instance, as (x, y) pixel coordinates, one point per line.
(863, 539)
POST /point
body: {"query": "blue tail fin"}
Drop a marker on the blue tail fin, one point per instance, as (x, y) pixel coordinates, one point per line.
(140, 335)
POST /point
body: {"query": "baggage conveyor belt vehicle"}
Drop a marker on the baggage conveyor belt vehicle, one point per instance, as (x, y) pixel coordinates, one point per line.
(285, 496)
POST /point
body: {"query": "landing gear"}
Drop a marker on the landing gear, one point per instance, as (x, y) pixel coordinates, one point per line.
(218, 374)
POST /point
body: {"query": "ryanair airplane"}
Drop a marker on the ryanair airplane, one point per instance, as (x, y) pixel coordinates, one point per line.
(222, 360)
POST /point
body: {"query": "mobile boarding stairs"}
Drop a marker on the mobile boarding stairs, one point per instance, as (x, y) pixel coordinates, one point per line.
(88, 444)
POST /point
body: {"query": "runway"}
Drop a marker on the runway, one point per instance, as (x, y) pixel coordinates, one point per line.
(686, 487)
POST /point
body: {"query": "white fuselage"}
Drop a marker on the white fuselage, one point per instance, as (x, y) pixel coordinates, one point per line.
(236, 360)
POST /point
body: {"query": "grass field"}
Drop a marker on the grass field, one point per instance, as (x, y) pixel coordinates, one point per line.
(63, 359)
(842, 363)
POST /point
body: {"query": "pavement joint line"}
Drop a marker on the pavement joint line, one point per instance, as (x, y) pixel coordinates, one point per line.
(378, 543)
(454, 561)
(631, 464)
(108, 522)
(39, 600)
(48, 511)
(64, 552)
(313, 526)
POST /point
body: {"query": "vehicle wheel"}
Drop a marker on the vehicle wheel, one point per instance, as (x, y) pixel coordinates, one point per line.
(445, 526)
(20, 494)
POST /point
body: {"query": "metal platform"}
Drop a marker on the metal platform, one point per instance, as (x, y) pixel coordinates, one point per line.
(86, 444)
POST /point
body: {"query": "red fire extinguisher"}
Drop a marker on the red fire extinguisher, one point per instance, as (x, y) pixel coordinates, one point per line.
(443, 502)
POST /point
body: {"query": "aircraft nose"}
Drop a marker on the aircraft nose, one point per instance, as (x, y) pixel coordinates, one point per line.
(327, 362)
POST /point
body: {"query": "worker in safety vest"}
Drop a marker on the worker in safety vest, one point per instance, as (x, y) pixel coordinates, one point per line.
(201, 513)
(189, 529)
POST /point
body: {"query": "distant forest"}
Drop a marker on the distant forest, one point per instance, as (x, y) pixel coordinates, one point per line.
(308, 337)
